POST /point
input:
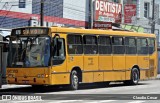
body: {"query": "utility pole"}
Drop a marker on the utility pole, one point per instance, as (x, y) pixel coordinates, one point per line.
(90, 26)
(153, 18)
(41, 13)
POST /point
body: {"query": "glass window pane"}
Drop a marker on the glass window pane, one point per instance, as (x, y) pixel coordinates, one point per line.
(104, 40)
(117, 40)
(90, 44)
(75, 44)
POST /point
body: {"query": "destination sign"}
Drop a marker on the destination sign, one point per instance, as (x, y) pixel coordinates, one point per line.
(30, 31)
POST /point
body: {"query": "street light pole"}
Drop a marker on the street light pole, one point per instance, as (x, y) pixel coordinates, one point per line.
(153, 21)
(41, 13)
(90, 26)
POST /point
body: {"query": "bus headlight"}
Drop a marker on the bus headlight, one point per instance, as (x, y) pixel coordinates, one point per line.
(46, 75)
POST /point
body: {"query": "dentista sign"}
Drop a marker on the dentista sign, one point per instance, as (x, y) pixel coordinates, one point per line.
(107, 11)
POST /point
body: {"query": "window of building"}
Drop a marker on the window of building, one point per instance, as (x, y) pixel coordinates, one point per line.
(116, 1)
(22, 3)
(90, 44)
(75, 44)
(104, 45)
(146, 9)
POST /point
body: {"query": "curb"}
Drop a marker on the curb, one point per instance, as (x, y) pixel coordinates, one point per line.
(151, 79)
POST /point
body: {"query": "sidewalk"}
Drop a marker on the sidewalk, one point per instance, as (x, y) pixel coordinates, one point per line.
(9, 86)
(158, 76)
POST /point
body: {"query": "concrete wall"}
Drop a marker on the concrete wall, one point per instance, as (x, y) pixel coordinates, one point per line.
(76, 9)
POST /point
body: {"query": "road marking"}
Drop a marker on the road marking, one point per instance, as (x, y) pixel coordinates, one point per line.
(106, 101)
(65, 101)
(152, 92)
(91, 102)
(136, 102)
(26, 101)
(103, 101)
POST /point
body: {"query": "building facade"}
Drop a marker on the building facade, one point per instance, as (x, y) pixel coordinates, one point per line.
(19, 13)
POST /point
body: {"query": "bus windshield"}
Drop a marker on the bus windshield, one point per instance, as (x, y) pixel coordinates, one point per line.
(29, 51)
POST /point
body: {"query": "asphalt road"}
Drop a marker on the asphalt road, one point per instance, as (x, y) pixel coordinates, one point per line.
(145, 92)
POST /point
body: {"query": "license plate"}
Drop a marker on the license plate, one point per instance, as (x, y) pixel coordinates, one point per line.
(25, 82)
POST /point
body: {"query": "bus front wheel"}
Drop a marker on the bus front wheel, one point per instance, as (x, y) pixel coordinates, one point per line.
(74, 80)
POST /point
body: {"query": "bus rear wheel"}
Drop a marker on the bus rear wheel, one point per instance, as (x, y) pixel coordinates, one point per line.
(134, 77)
(74, 80)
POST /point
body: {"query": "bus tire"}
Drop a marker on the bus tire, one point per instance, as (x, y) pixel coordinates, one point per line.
(134, 77)
(74, 80)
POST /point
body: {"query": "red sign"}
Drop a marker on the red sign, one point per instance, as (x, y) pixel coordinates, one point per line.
(102, 25)
(129, 12)
(107, 11)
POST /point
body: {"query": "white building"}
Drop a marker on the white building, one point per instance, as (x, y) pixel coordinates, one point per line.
(19, 13)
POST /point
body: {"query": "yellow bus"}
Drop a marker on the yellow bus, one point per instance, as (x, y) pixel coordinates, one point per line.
(60, 55)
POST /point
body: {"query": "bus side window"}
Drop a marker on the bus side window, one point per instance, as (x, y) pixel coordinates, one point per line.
(104, 45)
(142, 46)
(75, 45)
(130, 43)
(90, 44)
(58, 50)
(118, 45)
(151, 44)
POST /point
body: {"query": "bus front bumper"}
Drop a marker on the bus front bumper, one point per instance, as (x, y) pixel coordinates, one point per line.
(28, 81)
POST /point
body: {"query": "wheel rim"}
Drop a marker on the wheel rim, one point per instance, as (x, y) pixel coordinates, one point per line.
(75, 80)
(135, 76)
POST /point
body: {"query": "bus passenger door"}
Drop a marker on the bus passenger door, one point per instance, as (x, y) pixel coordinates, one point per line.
(131, 55)
(75, 51)
(58, 71)
(152, 57)
(59, 56)
(118, 58)
(105, 57)
(91, 59)
(143, 56)
(105, 51)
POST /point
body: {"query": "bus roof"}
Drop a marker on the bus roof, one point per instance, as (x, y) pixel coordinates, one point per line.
(99, 32)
